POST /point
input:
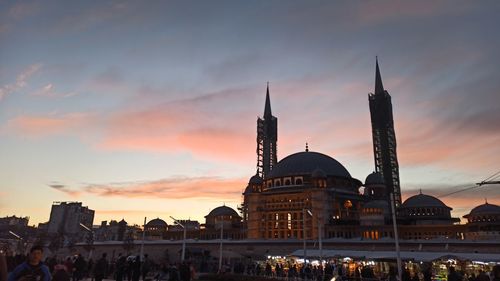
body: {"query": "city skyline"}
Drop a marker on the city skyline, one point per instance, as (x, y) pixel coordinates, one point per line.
(149, 110)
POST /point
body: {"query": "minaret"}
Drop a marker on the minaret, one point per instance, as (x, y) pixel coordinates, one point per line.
(384, 137)
(267, 136)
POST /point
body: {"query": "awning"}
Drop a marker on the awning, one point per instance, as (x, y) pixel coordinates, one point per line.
(405, 255)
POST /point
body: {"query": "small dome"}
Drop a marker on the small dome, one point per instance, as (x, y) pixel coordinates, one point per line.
(318, 174)
(122, 222)
(222, 211)
(423, 200)
(255, 180)
(374, 178)
(484, 209)
(304, 163)
(157, 222)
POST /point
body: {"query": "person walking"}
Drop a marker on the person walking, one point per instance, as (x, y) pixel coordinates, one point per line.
(33, 269)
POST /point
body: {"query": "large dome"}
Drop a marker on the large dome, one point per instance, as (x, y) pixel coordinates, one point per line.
(307, 162)
(423, 200)
(222, 211)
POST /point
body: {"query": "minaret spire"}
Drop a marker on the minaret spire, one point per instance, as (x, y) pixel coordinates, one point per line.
(384, 137)
(267, 137)
(267, 109)
(379, 87)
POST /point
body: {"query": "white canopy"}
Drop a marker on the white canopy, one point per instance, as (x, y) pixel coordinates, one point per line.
(405, 255)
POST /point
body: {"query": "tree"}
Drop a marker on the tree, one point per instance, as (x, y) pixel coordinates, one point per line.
(128, 242)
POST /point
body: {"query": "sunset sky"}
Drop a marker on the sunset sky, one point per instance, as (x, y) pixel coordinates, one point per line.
(149, 108)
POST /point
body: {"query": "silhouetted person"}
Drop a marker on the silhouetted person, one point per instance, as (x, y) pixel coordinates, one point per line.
(3, 268)
(33, 269)
(61, 273)
(428, 274)
(120, 267)
(453, 275)
(173, 274)
(101, 268)
(136, 269)
(185, 272)
(472, 277)
(79, 265)
(393, 274)
(482, 276)
(146, 267)
(495, 273)
(405, 275)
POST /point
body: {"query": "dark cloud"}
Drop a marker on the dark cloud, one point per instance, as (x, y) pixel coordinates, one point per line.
(64, 189)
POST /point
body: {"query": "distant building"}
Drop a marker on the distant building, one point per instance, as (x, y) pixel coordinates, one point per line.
(114, 231)
(14, 221)
(223, 220)
(176, 232)
(65, 218)
(156, 229)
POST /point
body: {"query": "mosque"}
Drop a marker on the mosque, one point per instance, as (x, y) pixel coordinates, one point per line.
(308, 194)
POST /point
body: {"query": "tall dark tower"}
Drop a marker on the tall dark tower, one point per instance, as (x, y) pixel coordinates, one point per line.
(267, 136)
(384, 138)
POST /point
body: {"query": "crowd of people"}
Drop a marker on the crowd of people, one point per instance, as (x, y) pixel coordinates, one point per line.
(77, 268)
(133, 268)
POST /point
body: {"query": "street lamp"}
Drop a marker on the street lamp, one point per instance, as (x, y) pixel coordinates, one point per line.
(15, 235)
(320, 242)
(396, 237)
(184, 237)
(304, 233)
(141, 255)
(92, 239)
(220, 245)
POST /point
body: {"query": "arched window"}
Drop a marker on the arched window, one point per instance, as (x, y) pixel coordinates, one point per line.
(298, 181)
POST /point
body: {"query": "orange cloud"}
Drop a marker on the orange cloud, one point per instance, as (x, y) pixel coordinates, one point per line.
(173, 188)
(41, 126)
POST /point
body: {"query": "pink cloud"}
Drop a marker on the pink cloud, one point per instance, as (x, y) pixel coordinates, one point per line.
(172, 188)
(43, 126)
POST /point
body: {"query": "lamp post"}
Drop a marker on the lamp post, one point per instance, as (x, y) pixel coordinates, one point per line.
(220, 245)
(183, 255)
(20, 243)
(396, 237)
(304, 234)
(320, 241)
(92, 239)
(143, 238)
